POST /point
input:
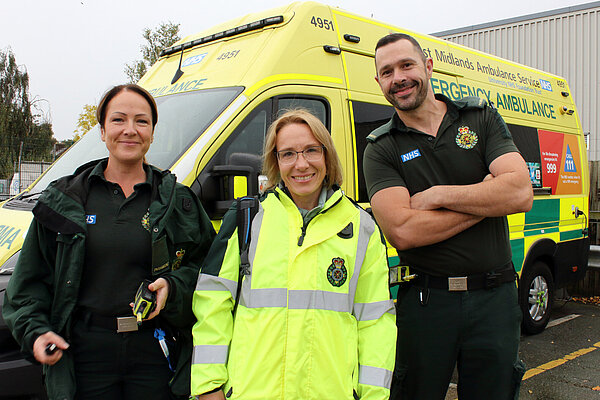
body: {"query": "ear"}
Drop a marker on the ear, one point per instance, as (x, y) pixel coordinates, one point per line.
(429, 67)
(102, 135)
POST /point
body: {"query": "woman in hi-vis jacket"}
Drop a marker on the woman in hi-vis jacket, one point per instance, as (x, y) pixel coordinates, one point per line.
(314, 319)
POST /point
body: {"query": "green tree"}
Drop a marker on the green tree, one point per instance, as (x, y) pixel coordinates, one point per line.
(39, 146)
(157, 39)
(86, 121)
(23, 134)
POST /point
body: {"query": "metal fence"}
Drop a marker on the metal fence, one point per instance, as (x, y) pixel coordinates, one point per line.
(26, 174)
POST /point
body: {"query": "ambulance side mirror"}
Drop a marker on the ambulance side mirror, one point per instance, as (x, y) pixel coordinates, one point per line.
(223, 183)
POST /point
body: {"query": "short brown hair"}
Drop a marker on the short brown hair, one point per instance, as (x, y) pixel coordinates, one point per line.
(394, 37)
(301, 116)
(111, 93)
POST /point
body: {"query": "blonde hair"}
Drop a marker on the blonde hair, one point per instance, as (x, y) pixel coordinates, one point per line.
(320, 132)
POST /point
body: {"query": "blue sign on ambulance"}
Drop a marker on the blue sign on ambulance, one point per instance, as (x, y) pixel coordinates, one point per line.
(546, 85)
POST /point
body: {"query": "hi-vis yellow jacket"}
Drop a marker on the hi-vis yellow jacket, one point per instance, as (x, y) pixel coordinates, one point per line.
(315, 319)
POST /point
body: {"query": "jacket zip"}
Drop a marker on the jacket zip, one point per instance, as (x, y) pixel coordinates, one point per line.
(304, 226)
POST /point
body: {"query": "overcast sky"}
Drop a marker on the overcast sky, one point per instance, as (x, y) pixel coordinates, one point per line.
(74, 50)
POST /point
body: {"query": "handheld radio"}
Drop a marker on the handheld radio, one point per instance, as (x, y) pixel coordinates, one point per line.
(145, 301)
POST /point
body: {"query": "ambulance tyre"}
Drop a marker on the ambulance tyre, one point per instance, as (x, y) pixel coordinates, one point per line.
(536, 293)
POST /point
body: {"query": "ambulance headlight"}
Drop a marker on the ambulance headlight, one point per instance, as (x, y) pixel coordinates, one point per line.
(9, 266)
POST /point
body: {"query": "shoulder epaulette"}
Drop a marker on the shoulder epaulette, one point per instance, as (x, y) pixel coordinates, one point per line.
(381, 131)
(471, 102)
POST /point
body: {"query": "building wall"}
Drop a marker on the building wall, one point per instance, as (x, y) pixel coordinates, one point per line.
(563, 42)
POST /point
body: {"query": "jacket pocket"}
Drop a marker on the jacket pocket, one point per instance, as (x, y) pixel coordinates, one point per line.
(60, 378)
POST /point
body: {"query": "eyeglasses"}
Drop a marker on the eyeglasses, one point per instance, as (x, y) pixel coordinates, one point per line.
(313, 153)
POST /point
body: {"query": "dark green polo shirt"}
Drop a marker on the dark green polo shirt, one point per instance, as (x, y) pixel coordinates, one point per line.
(118, 250)
(469, 138)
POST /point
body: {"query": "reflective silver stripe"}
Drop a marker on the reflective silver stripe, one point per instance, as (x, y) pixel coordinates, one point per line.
(215, 284)
(318, 300)
(372, 311)
(374, 376)
(246, 294)
(367, 227)
(265, 297)
(256, 225)
(210, 354)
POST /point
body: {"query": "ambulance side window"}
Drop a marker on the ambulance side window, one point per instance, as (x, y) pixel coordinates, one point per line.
(316, 106)
(367, 117)
(250, 136)
(527, 141)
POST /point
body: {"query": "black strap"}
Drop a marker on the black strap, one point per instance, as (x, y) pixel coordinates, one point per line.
(246, 209)
(91, 319)
(488, 280)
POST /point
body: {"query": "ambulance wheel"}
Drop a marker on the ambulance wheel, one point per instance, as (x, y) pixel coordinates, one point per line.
(536, 293)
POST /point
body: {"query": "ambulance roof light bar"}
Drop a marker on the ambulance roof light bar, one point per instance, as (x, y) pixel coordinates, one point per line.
(253, 26)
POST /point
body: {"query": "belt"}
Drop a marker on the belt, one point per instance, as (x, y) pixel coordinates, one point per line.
(488, 280)
(118, 324)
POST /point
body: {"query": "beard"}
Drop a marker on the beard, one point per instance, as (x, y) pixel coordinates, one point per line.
(413, 101)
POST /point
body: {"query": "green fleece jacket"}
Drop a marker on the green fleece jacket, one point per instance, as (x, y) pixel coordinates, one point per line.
(43, 290)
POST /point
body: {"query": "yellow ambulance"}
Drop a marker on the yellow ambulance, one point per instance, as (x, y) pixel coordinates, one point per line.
(217, 91)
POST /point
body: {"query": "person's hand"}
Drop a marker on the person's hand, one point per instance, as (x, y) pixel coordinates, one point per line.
(40, 344)
(161, 287)
(488, 177)
(425, 200)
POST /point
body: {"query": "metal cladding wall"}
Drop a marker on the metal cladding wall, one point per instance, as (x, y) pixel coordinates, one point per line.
(563, 42)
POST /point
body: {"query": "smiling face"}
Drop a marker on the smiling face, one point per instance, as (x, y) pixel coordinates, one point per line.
(402, 74)
(303, 178)
(128, 129)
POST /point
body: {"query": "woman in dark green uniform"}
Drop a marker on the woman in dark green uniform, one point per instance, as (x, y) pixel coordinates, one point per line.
(96, 235)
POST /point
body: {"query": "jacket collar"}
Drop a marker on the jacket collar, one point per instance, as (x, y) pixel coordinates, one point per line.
(452, 111)
(61, 205)
(285, 198)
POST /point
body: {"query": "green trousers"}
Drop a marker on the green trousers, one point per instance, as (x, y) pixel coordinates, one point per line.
(476, 331)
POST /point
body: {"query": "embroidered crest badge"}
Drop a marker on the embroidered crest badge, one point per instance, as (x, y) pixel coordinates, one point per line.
(466, 138)
(337, 273)
(146, 221)
(177, 263)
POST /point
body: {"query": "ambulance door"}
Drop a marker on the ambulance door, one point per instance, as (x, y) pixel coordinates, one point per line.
(368, 112)
(235, 165)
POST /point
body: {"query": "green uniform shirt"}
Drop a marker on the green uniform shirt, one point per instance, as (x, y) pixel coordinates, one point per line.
(118, 251)
(469, 138)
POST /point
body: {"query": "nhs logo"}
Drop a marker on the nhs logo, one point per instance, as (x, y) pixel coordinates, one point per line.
(193, 60)
(411, 155)
(546, 85)
(90, 219)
